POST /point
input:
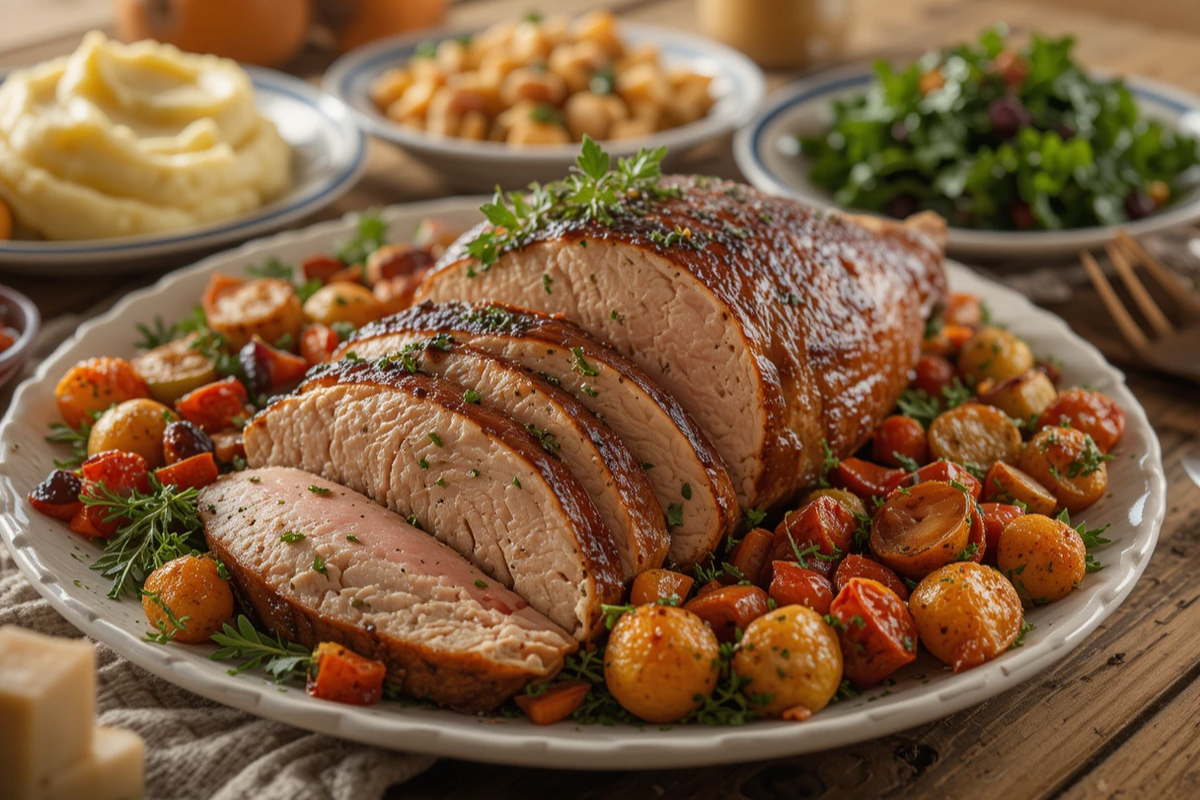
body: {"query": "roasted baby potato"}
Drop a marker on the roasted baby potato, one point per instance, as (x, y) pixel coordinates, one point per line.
(267, 308)
(1024, 397)
(1068, 463)
(792, 657)
(135, 426)
(918, 531)
(343, 302)
(1007, 484)
(187, 599)
(174, 369)
(1090, 412)
(976, 435)
(658, 659)
(994, 353)
(875, 630)
(1044, 558)
(94, 385)
(966, 614)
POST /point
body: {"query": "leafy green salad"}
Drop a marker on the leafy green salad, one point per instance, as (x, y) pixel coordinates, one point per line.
(995, 137)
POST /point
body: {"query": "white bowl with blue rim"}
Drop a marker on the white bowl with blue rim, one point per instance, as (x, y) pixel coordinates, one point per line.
(768, 154)
(738, 87)
(328, 155)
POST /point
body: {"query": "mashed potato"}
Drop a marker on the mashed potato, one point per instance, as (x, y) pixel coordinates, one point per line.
(120, 140)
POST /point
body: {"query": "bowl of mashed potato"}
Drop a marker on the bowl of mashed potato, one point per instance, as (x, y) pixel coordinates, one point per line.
(140, 149)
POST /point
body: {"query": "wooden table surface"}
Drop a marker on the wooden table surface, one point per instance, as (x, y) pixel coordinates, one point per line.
(1113, 719)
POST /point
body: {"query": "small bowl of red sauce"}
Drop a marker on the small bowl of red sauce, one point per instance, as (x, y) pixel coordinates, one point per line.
(19, 326)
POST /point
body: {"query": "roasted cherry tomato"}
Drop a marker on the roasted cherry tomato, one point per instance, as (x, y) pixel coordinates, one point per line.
(995, 517)
(1090, 412)
(899, 437)
(58, 495)
(317, 344)
(321, 267)
(865, 479)
(876, 631)
(215, 406)
(856, 566)
(792, 584)
(962, 309)
(120, 472)
(932, 374)
(730, 609)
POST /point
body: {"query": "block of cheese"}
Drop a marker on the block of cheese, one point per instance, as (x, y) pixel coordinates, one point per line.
(114, 769)
(47, 704)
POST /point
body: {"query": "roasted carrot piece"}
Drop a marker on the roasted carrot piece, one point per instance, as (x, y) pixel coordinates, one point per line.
(730, 609)
(317, 344)
(215, 406)
(555, 704)
(752, 553)
(945, 471)
(877, 633)
(995, 517)
(865, 479)
(822, 521)
(195, 472)
(856, 566)
(343, 676)
(321, 267)
(792, 584)
(659, 584)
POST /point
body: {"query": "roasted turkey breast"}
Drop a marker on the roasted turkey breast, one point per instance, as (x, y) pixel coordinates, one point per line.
(350, 571)
(693, 489)
(778, 327)
(465, 472)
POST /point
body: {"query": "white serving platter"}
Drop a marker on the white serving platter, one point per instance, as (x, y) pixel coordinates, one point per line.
(56, 563)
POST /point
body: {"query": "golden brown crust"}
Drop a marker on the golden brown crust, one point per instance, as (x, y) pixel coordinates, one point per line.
(832, 312)
(464, 681)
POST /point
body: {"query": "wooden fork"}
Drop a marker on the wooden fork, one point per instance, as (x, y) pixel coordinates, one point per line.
(1167, 348)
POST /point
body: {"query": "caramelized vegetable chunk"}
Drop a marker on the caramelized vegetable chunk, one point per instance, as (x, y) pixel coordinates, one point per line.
(966, 614)
(188, 591)
(876, 631)
(94, 385)
(317, 344)
(191, 473)
(945, 472)
(1024, 397)
(864, 479)
(962, 309)
(659, 659)
(818, 534)
(214, 407)
(995, 517)
(1090, 412)
(730, 609)
(344, 676)
(975, 435)
(856, 566)
(898, 439)
(850, 500)
(793, 658)
(268, 368)
(793, 585)
(267, 308)
(994, 353)
(659, 584)
(1067, 462)
(917, 532)
(343, 302)
(1007, 484)
(751, 555)
(58, 495)
(183, 439)
(1044, 558)
(174, 369)
(932, 374)
(556, 703)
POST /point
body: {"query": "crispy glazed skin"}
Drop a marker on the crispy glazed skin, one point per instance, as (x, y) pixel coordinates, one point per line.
(831, 313)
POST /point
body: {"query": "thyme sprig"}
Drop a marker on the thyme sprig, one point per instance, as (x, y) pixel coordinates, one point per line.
(155, 528)
(593, 192)
(280, 659)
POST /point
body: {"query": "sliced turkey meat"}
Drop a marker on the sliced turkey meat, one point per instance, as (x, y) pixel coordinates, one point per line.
(694, 492)
(468, 474)
(777, 326)
(595, 455)
(316, 562)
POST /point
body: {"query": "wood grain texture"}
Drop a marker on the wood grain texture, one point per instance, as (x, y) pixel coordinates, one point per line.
(1115, 718)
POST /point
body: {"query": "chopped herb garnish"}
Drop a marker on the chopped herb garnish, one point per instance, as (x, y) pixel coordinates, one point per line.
(312, 487)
